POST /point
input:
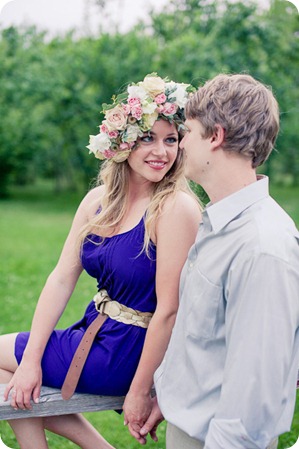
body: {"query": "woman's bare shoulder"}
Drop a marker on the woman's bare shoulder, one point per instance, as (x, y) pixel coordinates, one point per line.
(182, 203)
(181, 214)
(92, 200)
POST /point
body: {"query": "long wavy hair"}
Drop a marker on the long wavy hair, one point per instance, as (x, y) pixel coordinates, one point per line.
(113, 203)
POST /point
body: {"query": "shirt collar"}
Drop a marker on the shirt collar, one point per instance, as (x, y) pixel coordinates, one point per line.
(224, 211)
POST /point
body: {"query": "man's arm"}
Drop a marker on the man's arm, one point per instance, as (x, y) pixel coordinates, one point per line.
(259, 384)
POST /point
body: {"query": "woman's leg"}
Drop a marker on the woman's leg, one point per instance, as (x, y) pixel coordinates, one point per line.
(77, 429)
(8, 363)
(30, 432)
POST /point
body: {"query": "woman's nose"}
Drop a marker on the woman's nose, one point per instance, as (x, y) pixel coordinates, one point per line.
(159, 148)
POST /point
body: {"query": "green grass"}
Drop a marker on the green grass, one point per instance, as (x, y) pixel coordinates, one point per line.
(33, 225)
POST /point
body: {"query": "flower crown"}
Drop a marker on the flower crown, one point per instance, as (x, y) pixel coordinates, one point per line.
(134, 112)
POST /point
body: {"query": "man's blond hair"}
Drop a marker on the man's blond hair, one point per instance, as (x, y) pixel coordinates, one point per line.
(245, 108)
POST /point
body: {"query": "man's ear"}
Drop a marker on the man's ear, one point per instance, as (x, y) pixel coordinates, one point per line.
(218, 136)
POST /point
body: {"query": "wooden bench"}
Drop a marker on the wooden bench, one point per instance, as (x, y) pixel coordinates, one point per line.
(51, 404)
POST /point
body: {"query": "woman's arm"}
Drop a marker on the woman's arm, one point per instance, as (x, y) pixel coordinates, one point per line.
(54, 297)
(175, 233)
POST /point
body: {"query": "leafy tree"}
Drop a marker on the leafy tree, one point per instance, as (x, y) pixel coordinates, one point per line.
(20, 122)
(52, 89)
(206, 38)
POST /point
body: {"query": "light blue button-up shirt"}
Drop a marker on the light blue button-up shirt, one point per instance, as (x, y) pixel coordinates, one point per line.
(229, 375)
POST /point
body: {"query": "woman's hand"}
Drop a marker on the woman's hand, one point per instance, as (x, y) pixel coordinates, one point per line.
(137, 408)
(24, 386)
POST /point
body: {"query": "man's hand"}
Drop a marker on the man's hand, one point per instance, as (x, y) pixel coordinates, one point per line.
(153, 421)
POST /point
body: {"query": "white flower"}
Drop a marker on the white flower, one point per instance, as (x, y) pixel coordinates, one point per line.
(149, 108)
(98, 143)
(170, 85)
(137, 92)
(180, 95)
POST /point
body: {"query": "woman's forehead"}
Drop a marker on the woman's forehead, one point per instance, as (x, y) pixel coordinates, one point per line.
(163, 126)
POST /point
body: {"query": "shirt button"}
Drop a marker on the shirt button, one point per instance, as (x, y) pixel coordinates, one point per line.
(190, 264)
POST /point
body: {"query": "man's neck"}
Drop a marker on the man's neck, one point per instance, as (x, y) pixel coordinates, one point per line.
(227, 182)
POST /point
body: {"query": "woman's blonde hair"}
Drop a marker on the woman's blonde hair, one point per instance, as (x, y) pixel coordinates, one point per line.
(115, 177)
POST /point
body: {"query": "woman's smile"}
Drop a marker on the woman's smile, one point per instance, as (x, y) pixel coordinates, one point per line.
(156, 165)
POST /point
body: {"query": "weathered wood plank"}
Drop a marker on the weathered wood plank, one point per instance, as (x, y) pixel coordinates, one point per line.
(51, 403)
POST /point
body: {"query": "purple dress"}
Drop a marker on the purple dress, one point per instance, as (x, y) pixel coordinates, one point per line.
(128, 275)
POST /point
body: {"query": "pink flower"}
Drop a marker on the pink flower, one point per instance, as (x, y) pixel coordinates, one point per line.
(113, 134)
(169, 109)
(103, 128)
(134, 101)
(109, 154)
(136, 112)
(160, 109)
(161, 98)
(124, 146)
(126, 108)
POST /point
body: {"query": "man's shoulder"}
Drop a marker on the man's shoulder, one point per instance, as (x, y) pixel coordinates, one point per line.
(274, 229)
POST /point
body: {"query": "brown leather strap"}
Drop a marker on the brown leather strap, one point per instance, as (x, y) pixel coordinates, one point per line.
(80, 356)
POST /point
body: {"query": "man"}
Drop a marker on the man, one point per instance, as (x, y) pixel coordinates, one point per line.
(228, 379)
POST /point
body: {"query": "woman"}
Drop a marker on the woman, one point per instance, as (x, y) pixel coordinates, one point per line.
(134, 232)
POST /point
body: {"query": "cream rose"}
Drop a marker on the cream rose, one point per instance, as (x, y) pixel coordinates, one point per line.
(154, 85)
(132, 133)
(149, 120)
(116, 118)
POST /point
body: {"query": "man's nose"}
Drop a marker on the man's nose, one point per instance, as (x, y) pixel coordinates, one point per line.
(182, 143)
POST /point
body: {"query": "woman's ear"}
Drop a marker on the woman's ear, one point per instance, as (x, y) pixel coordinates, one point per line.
(218, 136)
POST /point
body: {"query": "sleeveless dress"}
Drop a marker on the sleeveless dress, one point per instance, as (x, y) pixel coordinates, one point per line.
(128, 275)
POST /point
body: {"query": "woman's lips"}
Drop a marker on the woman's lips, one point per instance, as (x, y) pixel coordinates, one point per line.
(157, 165)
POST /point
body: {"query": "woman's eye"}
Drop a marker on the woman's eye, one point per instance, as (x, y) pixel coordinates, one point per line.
(171, 140)
(146, 138)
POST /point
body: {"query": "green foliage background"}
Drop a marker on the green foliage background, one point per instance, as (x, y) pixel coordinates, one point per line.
(52, 88)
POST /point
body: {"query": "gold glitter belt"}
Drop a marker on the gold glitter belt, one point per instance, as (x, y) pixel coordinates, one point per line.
(119, 312)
